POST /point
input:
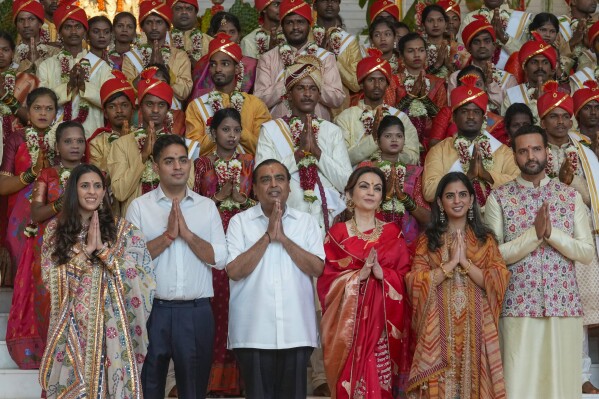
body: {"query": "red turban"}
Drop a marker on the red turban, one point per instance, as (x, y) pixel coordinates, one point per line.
(148, 84)
(32, 6)
(383, 5)
(118, 84)
(69, 10)
(469, 93)
(262, 4)
(158, 7)
(222, 42)
(586, 94)
(450, 5)
(299, 7)
(552, 98)
(593, 33)
(478, 25)
(534, 47)
(374, 62)
(192, 2)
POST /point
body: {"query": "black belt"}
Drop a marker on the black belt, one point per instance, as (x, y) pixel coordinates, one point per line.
(177, 302)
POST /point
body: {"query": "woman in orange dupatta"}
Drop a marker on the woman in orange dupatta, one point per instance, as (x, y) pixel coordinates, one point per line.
(456, 286)
(365, 321)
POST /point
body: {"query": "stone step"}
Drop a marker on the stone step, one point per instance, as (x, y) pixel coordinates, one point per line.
(3, 323)
(19, 384)
(5, 299)
(6, 362)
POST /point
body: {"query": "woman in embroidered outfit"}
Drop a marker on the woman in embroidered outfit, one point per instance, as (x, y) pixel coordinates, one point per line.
(227, 23)
(26, 153)
(101, 282)
(456, 286)
(443, 124)
(226, 177)
(443, 53)
(403, 203)
(125, 36)
(366, 316)
(28, 320)
(421, 94)
(383, 37)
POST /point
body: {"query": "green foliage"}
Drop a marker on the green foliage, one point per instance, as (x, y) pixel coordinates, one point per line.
(6, 22)
(205, 21)
(247, 14)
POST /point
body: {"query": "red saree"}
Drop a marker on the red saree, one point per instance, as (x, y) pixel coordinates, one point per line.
(224, 375)
(28, 320)
(365, 325)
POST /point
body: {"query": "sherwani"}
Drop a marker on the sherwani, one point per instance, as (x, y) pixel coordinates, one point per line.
(541, 322)
(49, 75)
(99, 147)
(249, 46)
(253, 114)
(270, 83)
(334, 167)
(179, 67)
(443, 157)
(519, 94)
(347, 63)
(360, 146)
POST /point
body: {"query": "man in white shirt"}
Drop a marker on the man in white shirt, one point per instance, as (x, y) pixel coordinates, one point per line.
(274, 251)
(184, 247)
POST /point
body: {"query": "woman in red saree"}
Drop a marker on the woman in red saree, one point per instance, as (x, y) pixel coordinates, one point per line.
(456, 287)
(123, 27)
(226, 177)
(17, 171)
(366, 317)
(30, 310)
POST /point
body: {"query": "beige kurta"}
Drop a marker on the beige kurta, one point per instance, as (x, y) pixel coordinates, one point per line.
(179, 67)
(270, 83)
(49, 75)
(442, 157)
(361, 147)
(519, 94)
(249, 46)
(347, 64)
(99, 148)
(25, 65)
(253, 114)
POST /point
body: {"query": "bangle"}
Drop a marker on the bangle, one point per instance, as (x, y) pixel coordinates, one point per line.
(84, 250)
(167, 235)
(214, 197)
(268, 235)
(54, 207)
(409, 203)
(32, 171)
(445, 272)
(466, 270)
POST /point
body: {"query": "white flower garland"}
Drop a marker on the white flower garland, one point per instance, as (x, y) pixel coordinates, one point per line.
(367, 118)
(288, 54)
(146, 54)
(178, 42)
(462, 145)
(22, 51)
(32, 141)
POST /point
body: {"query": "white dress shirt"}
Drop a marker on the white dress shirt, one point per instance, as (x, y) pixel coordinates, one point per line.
(180, 275)
(273, 307)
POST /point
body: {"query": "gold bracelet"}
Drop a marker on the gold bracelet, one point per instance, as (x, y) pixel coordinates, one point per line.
(244, 196)
(445, 272)
(54, 208)
(22, 179)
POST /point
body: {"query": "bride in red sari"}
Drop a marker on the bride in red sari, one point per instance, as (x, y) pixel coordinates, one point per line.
(366, 316)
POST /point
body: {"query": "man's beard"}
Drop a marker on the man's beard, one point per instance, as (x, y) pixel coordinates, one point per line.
(534, 169)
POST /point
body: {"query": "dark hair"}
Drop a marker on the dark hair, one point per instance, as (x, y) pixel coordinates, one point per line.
(530, 129)
(434, 7)
(216, 20)
(164, 141)
(40, 92)
(356, 174)
(381, 21)
(99, 18)
(68, 226)
(436, 228)
(6, 36)
(468, 69)
(387, 122)
(401, 45)
(222, 114)
(516, 109)
(267, 162)
(124, 14)
(163, 71)
(541, 19)
(67, 125)
(400, 24)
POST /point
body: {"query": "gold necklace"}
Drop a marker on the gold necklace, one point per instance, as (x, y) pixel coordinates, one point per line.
(372, 237)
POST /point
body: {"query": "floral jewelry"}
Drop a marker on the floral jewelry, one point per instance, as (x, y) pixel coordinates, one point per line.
(195, 53)
(335, 37)
(22, 51)
(228, 171)
(462, 145)
(308, 165)
(146, 54)
(288, 56)
(34, 142)
(367, 118)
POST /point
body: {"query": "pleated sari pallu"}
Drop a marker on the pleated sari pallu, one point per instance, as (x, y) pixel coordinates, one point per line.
(365, 325)
(457, 349)
(97, 338)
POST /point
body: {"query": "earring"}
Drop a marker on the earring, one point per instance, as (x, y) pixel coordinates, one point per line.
(350, 204)
(471, 213)
(101, 205)
(442, 216)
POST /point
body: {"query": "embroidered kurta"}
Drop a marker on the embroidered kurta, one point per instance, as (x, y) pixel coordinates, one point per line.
(443, 158)
(457, 349)
(49, 73)
(97, 339)
(361, 147)
(179, 69)
(270, 83)
(253, 114)
(334, 167)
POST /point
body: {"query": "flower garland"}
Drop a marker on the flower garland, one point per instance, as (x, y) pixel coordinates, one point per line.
(63, 177)
(288, 54)
(34, 142)
(394, 62)
(391, 204)
(228, 171)
(10, 78)
(146, 54)
(462, 145)
(367, 118)
(416, 107)
(195, 52)
(149, 179)
(431, 57)
(263, 40)
(335, 38)
(65, 69)
(22, 51)
(571, 153)
(308, 165)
